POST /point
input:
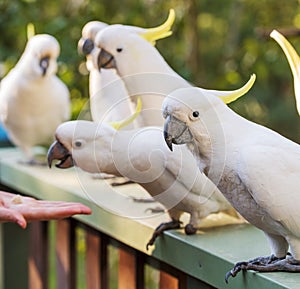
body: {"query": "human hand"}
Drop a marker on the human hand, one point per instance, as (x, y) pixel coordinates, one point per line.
(20, 209)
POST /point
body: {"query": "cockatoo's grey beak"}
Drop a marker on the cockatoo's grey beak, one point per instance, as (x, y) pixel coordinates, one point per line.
(58, 152)
(44, 64)
(176, 131)
(106, 60)
(85, 46)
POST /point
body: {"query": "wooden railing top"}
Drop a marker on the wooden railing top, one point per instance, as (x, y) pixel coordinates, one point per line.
(206, 256)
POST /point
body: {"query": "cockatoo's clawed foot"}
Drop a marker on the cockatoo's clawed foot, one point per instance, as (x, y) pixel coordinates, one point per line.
(264, 260)
(189, 229)
(174, 224)
(236, 269)
(288, 264)
(266, 264)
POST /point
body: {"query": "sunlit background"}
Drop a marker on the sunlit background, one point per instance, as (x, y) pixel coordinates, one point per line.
(216, 44)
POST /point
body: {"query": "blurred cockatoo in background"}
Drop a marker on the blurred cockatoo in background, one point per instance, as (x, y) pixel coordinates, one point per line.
(33, 100)
(294, 62)
(108, 96)
(255, 168)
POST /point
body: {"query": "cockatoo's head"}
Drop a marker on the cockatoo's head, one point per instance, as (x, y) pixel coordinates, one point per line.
(187, 112)
(125, 46)
(86, 44)
(40, 55)
(117, 43)
(79, 143)
(294, 62)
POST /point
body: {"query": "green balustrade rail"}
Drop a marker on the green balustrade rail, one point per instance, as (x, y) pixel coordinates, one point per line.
(117, 223)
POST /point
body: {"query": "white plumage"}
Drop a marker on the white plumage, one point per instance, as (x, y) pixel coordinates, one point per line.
(109, 99)
(142, 156)
(132, 57)
(33, 100)
(254, 167)
(144, 71)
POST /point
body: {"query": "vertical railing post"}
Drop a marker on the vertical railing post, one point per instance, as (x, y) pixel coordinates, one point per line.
(171, 278)
(2, 264)
(65, 254)
(38, 255)
(93, 255)
(131, 269)
(140, 270)
(126, 274)
(15, 256)
(96, 260)
(104, 262)
(167, 281)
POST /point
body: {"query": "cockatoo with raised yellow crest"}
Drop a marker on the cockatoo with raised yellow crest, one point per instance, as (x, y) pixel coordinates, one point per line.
(141, 67)
(255, 168)
(142, 156)
(33, 100)
(108, 96)
(294, 62)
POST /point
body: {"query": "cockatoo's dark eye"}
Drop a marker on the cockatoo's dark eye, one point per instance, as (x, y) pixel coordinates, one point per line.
(119, 49)
(195, 114)
(78, 143)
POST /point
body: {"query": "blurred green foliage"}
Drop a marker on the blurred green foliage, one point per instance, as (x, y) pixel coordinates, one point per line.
(216, 44)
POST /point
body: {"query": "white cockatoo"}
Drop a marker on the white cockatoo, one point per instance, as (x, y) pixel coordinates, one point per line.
(33, 100)
(255, 168)
(294, 62)
(121, 50)
(108, 96)
(142, 156)
(144, 71)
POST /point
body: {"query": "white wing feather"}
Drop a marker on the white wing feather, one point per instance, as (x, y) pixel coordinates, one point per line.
(272, 176)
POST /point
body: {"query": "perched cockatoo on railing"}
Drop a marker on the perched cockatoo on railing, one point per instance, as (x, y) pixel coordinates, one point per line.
(33, 100)
(255, 168)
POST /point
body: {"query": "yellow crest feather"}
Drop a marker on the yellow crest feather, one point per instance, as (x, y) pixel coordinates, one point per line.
(293, 60)
(120, 124)
(289, 51)
(235, 94)
(30, 30)
(159, 32)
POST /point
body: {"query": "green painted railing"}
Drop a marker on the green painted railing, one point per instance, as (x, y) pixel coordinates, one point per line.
(198, 261)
